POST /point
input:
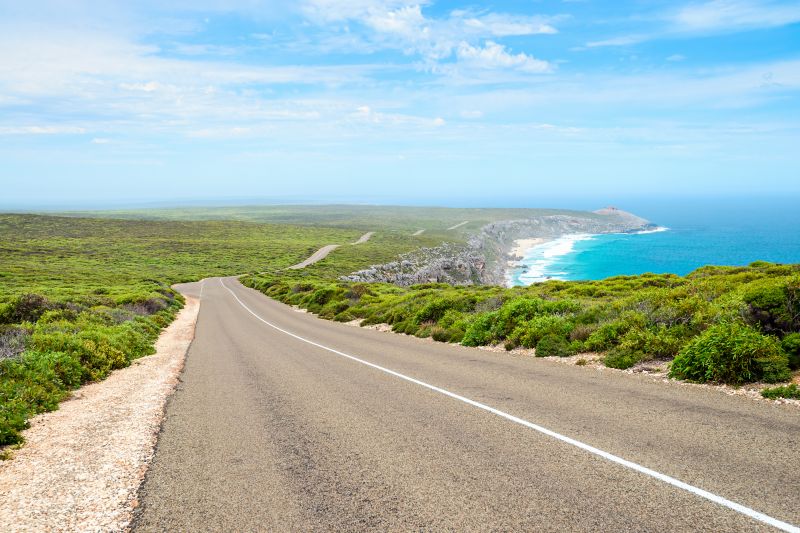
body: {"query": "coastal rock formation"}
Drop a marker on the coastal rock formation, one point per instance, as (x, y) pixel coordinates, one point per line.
(483, 259)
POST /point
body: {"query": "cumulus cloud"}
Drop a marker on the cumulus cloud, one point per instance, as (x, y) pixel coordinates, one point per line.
(404, 26)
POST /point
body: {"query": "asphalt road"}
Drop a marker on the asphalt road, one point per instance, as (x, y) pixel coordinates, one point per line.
(269, 432)
(323, 252)
(317, 256)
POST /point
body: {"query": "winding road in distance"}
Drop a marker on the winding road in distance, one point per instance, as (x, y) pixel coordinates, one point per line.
(323, 252)
(285, 422)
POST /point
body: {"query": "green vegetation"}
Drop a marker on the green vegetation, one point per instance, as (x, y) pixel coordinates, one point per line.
(362, 217)
(788, 391)
(82, 297)
(719, 324)
(732, 353)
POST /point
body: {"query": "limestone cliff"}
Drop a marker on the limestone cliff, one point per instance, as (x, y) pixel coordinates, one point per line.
(483, 259)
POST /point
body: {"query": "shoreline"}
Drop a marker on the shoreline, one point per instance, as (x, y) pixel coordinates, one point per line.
(558, 247)
(516, 255)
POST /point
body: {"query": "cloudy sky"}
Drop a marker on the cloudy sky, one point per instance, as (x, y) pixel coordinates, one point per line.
(109, 102)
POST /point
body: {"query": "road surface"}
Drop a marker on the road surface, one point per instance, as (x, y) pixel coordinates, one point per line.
(323, 252)
(319, 426)
(458, 225)
(319, 255)
(364, 238)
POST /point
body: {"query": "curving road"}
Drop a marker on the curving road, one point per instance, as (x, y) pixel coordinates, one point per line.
(285, 422)
(364, 238)
(323, 252)
(319, 255)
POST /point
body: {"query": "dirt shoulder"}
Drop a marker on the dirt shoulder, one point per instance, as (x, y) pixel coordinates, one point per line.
(81, 465)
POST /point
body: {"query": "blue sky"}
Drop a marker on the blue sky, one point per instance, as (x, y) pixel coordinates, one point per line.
(107, 102)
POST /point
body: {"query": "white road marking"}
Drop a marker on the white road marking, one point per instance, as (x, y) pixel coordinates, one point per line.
(458, 225)
(761, 517)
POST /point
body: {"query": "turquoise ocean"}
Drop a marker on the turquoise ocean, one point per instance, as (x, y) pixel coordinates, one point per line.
(690, 234)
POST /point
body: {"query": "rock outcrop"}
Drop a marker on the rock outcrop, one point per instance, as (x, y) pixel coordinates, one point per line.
(483, 259)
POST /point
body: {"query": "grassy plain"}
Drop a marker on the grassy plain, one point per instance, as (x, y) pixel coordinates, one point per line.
(434, 220)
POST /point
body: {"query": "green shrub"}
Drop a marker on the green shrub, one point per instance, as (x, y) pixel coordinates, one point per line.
(14, 414)
(731, 353)
(788, 391)
(531, 332)
(456, 334)
(610, 334)
(775, 306)
(553, 345)
(513, 313)
(440, 334)
(622, 358)
(437, 308)
(791, 345)
(64, 370)
(581, 332)
(479, 331)
(24, 308)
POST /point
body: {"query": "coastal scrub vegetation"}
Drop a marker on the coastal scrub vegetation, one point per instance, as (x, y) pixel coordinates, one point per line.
(791, 391)
(717, 324)
(82, 297)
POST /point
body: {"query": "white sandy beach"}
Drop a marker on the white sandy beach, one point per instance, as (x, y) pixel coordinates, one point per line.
(521, 246)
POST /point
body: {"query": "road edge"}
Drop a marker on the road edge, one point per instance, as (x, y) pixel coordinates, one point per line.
(82, 465)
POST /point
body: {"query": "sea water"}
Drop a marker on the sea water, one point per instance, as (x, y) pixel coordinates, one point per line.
(689, 234)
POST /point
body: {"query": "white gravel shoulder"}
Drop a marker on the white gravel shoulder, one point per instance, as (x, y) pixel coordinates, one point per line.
(81, 465)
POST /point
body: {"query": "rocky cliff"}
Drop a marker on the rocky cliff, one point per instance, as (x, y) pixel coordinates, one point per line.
(483, 259)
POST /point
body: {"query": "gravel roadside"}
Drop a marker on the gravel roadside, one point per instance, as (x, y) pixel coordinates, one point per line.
(81, 465)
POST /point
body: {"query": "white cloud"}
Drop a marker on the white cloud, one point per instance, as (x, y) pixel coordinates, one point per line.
(714, 17)
(41, 130)
(471, 114)
(148, 87)
(101, 140)
(674, 58)
(493, 55)
(624, 40)
(735, 14)
(403, 25)
(500, 25)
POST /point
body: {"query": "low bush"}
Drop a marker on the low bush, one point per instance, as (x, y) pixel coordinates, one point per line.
(774, 305)
(627, 318)
(553, 345)
(13, 340)
(788, 391)
(731, 353)
(479, 331)
(24, 308)
(791, 345)
(60, 354)
(621, 359)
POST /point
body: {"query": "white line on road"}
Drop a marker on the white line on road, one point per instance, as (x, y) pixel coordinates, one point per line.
(761, 517)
